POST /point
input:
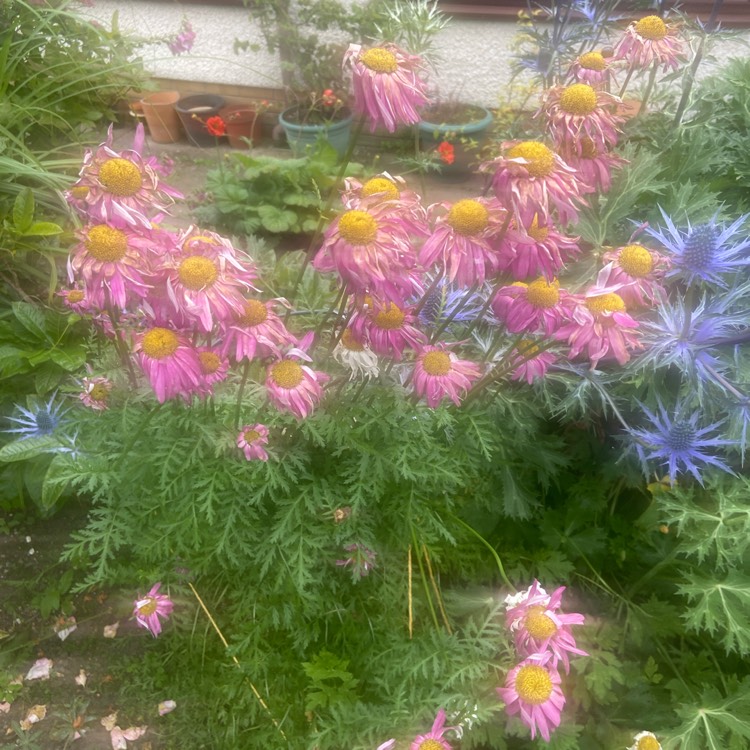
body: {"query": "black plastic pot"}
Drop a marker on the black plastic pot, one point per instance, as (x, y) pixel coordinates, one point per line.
(194, 111)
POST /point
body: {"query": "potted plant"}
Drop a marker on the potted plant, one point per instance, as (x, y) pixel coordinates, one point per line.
(243, 123)
(194, 112)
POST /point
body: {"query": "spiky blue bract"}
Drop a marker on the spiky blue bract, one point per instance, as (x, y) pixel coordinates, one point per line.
(38, 420)
(678, 443)
(443, 301)
(706, 252)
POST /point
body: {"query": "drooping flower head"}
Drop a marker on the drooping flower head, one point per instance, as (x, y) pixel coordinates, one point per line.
(95, 393)
(532, 180)
(579, 110)
(594, 165)
(592, 68)
(149, 609)
(650, 41)
(356, 356)
(120, 185)
(645, 741)
(532, 690)
(434, 739)
(637, 272)
(386, 84)
(537, 307)
(170, 362)
(387, 329)
(706, 252)
(678, 443)
(214, 367)
(251, 440)
(292, 386)
(439, 374)
(463, 242)
(530, 363)
(257, 331)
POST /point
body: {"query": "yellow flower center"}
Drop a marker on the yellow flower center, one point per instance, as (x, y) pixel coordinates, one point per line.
(536, 232)
(436, 363)
(526, 347)
(578, 99)
(251, 436)
(75, 296)
(106, 243)
(651, 27)
(121, 177)
(210, 362)
(197, 272)
(255, 313)
(380, 60)
(468, 217)
(588, 148)
(431, 744)
(606, 303)
(636, 261)
(149, 607)
(358, 227)
(381, 185)
(80, 191)
(286, 374)
(99, 392)
(592, 61)
(533, 684)
(540, 161)
(349, 341)
(391, 318)
(648, 743)
(159, 343)
(542, 293)
(538, 624)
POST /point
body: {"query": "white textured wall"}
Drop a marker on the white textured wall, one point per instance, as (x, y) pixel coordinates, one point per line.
(474, 55)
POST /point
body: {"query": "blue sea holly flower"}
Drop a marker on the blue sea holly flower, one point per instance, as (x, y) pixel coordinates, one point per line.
(704, 252)
(459, 305)
(38, 420)
(678, 442)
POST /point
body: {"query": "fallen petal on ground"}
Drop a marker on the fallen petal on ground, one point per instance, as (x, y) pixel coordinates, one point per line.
(40, 670)
(109, 722)
(166, 707)
(81, 679)
(65, 627)
(35, 714)
(110, 631)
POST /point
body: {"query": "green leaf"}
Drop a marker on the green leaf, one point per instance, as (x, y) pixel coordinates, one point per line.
(23, 449)
(32, 319)
(11, 362)
(53, 486)
(276, 219)
(71, 358)
(23, 210)
(42, 229)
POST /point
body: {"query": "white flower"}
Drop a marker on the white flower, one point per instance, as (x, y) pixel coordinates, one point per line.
(645, 741)
(363, 363)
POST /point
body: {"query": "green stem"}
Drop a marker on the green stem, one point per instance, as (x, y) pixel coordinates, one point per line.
(631, 70)
(424, 578)
(240, 392)
(499, 562)
(649, 88)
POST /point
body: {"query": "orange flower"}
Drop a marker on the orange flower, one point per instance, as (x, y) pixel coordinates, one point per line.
(446, 152)
(216, 126)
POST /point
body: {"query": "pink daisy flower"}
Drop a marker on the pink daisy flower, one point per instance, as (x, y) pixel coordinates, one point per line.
(637, 272)
(650, 41)
(214, 366)
(388, 329)
(578, 111)
(95, 393)
(594, 166)
(462, 243)
(76, 300)
(532, 690)
(206, 281)
(150, 608)
(536, 251)
(592, 68)
(170, 362)
(258, 331)
(434, 739)
(251, 440)
(386, 84)
(372, 251)
(529, 363)
(533, 180)
(538, 307)
(294, 387)
(120, 186)
(600, 328)
(439, 374)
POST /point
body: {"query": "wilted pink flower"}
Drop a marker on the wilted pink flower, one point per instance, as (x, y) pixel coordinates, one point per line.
(434, 739)
(592, 68)
(532, 180)
(594, 166)
(361, 560)
(183, 40)
(463, 241)
(251, 440)
(386, 84)
(292, 386)
(388, 329)
(637, 272)
(439, 373)
(150, 608)
(95, 392)
(257, 331)
(532, 690)
(170, 362)
(650, 41)
(120, 185)
(355, 355)
(538, 307)
(530, 363)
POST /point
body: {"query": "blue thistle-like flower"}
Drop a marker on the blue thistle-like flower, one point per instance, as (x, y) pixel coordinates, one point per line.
(39, 420)
(444, 300)
(678, 442)
(705, 252)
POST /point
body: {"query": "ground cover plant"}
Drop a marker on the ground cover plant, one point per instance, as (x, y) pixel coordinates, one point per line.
(461, 475)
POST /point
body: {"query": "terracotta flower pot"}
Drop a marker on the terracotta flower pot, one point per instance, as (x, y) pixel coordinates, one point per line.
(194, 111)
(242, 122)
(161, 117)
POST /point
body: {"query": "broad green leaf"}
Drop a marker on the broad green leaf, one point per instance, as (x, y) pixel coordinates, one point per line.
(42, 229)
(11, 361)
(53, 486)
(31, 318)
(71, 358)
(23, 210)
(21, 450)
(275, 219)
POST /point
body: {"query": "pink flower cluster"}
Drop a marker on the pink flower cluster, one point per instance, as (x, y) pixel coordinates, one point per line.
(543, 640)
